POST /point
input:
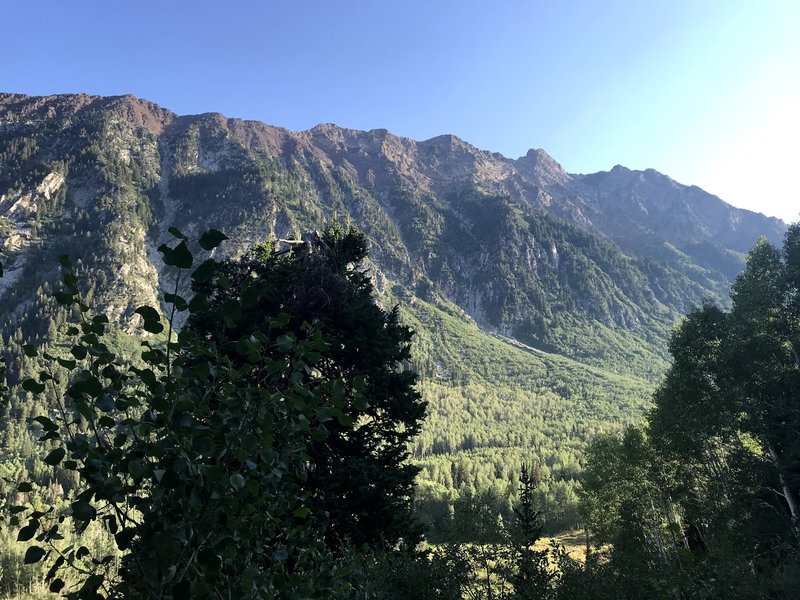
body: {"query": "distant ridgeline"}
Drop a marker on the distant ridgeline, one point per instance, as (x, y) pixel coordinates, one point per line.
(541, 300)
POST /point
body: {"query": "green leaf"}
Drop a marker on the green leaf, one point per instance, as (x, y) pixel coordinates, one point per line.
(205, 271)
(66, 363)
(64, 298)
(174, 231)
(285, 343)
(25, 486)
(29, 350)
(33, 386)
(55, 567)
(124, 538)
(34, 554)
(56, 585)
(83, 511)
(211, 239)
(86, 383)
(152, 320)
(27, 532)
(176, 257)
(302, 512)
(199, 303)
(105, 403)
(324, 414)
(46, 423)
(55, 457)
(176, 300)
(181, 256)
(237, 481)
(90, 586)
(70, 281)
(153, 326)
(148, 313)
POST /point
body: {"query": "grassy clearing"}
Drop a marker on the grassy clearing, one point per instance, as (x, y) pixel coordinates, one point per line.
(573, 541)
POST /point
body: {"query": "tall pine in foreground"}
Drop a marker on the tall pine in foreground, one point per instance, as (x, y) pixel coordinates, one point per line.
(531, 577)
(358, 472)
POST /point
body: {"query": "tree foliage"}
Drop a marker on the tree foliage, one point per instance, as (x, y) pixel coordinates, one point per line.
(207, 459)
(358, 472)
(705, 502)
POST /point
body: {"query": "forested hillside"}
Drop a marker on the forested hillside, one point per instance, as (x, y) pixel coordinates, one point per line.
(541, 301)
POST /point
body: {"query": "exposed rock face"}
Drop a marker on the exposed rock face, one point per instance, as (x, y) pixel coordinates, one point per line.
(628, 204)
(19, 209)
(522, 246)
(24, 204)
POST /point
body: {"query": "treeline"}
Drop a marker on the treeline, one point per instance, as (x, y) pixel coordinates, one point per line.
(702, 502)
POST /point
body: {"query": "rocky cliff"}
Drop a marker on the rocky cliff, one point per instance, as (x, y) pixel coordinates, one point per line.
(594, 267)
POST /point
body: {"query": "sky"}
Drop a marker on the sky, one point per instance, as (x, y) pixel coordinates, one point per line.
(705, 91)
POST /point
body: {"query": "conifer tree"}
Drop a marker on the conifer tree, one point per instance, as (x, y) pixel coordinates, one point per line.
(357, 473)
(531, 578)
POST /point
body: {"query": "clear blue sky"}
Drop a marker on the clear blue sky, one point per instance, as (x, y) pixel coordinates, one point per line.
(706, 91)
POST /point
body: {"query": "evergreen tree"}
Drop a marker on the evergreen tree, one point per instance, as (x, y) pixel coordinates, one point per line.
(705, 503)
(358, 472)
(531, 577)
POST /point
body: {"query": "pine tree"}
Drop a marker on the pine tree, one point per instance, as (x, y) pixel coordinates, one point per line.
(531, 578)
(358, 471)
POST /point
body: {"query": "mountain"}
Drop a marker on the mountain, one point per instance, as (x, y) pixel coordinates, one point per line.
(526, 283)
(521, 246)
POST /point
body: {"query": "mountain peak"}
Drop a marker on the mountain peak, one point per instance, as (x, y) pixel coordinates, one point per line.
(542, 167)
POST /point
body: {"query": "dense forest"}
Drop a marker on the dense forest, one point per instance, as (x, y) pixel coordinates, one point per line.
(274, 446)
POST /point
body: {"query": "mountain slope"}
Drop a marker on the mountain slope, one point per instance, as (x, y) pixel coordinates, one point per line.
(525, 249)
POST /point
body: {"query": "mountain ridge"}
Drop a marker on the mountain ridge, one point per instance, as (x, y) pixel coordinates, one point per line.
(37, 104)
(520, 245)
